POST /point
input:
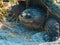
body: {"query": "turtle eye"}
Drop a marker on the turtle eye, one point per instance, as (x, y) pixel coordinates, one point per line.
(28, 16)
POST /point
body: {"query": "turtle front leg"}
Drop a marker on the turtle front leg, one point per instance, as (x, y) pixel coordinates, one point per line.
(52, 29)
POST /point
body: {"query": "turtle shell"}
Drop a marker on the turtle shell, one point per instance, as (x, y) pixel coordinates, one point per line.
(53, 7)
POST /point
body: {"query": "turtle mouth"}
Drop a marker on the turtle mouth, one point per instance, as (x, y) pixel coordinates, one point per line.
(22, 19)
(29, 23)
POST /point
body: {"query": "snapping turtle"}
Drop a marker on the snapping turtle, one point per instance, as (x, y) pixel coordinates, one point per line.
(35, 18)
